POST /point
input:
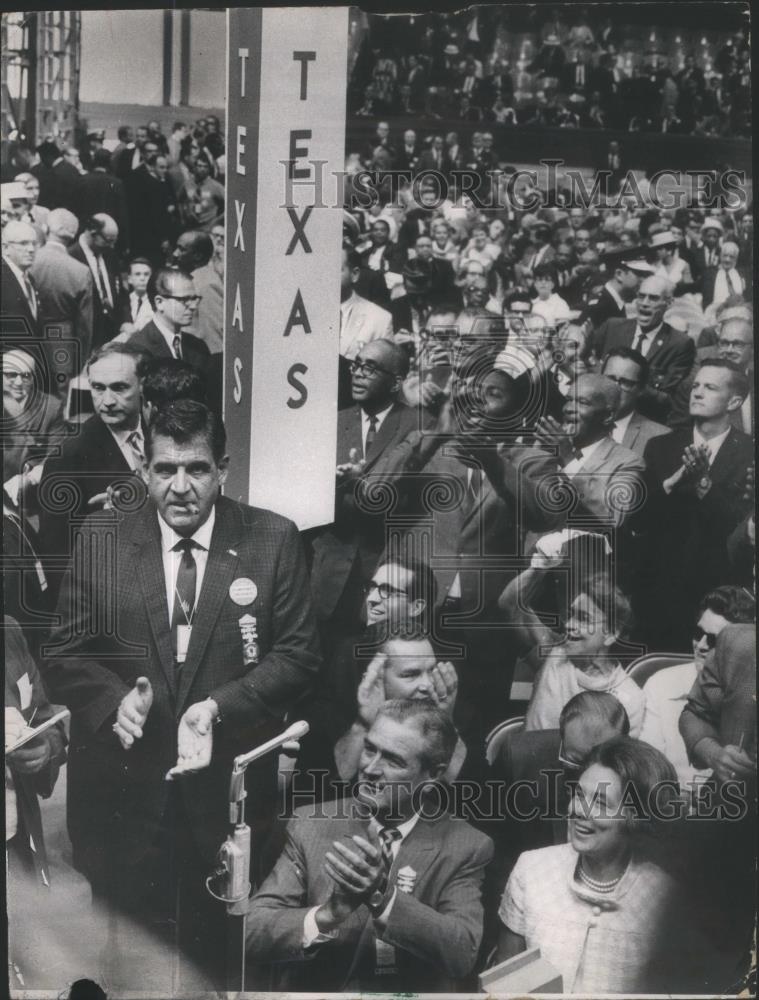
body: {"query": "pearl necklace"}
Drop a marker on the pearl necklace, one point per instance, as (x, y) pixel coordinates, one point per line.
(595, 884)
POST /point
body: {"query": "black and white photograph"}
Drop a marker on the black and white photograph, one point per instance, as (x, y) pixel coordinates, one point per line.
(379, 579)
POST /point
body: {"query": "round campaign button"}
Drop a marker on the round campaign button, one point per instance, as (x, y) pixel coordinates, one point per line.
(243, 590)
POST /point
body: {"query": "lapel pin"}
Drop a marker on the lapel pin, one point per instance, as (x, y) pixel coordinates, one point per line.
(406, 879)
(232, 552)
(249, 634)
(243, 591)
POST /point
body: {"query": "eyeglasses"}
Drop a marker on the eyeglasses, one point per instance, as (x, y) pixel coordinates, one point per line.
(624, 383)
(187, 299)
(368, 368)
(21, 243)
(571, 765)
(733, 344)
(24, 376)
(699, 634)
(385, 590)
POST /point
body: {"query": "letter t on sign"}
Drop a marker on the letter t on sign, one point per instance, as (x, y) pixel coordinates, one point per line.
(304, 58)
(243, 54)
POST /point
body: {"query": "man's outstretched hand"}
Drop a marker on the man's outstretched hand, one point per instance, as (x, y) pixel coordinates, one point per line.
(132, 712)
(195, 738)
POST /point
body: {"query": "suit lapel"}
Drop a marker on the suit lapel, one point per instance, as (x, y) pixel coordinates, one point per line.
(659, 343)
(385, 435)
(599, 457)
(150, 569)
(220, 572)
(632, 432)
(725, 461)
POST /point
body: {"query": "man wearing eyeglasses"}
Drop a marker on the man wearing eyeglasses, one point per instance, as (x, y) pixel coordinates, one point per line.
(174, 304)
(629, 370)
(346, 552)
(96, 248)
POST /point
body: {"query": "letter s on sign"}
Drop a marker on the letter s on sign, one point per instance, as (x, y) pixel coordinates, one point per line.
(237, 391)
(295, 370)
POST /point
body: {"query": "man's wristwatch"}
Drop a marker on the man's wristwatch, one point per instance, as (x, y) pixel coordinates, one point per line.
(377, 900)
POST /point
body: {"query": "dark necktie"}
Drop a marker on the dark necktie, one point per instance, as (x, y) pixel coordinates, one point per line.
(731, 290)
(178, 347)
(135, 443)
(640, 341)
(371, 434)
(184, 589)
(137, 308)
(388, 835)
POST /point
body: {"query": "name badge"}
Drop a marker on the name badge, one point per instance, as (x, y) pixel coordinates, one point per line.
(25, 689)
(183, 641)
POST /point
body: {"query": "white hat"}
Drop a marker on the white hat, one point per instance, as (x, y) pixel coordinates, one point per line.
(665, 239)
(20, 358)
(15, 191)
(712, 223)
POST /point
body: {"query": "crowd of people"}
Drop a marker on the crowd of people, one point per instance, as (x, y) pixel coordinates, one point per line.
(524, 646)
(503, 66)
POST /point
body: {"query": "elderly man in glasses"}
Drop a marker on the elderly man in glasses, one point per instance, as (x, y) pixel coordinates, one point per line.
(175, 301)
(346, 552)
(668, 689)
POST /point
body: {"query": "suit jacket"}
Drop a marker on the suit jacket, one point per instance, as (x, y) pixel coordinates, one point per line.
(608, 487)
(66, 291)
(116, 798)
(680, 417)
(721, 703)
(670, 359)
(34, 434)
(602, 307)
(639, 432)
(150, 339)
(355, 540)
(435, 929)
(15, 306)
(24, 692)
(366, 321)
(104, 323)
(102, 192)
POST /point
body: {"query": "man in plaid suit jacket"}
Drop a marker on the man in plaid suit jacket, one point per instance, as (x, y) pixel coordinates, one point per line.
(207, 691)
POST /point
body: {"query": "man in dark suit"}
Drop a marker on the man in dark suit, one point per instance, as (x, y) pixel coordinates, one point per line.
(629, 370)
(408, 152)
(20, 299)
(670, 354)
(100, 193)
(625, 273)
(105, 456)
(696, 496)
(95, 248)
(65, 291)
(377, 895)
(346, 552)
(174, 301)
(213, 641)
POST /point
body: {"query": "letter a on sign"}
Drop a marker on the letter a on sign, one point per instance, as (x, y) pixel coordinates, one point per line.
(298, 316)
(237, 311)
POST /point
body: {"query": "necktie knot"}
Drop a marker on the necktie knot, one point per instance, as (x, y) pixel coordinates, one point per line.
(388, 836)
(177, 344)
(185, 546)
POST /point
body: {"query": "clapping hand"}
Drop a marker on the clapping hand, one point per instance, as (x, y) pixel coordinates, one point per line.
(356, 867)
(132, 712)
(696, 461)
(446, 684)
(371, 690)
(549, 550)
(195, 738)
(352, 469)
(552, 436)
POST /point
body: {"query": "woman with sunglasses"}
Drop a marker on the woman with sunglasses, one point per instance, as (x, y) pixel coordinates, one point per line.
(667, 690)
(606, 917)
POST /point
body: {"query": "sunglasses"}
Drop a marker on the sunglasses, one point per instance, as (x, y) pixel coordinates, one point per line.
(699, 634)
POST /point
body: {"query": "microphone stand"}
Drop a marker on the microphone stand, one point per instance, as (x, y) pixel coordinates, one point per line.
(232, 871)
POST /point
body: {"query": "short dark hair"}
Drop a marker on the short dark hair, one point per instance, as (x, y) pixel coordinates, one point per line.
(116, 347)
(202, 245)
(123, 132)
(140, 260)
(629, 354)
(736, 604)
(169, 379)
(87, 989)
(423, 586)
(436, 727)
(516, 295)
(739, 381)
(186, 146)
(545, 271)
(353, 259)
(607, 596)
(400, 360)
(163, 280)
(596, 707)
(640, 769)
(177, 125)
(101, 158)
(183, 420)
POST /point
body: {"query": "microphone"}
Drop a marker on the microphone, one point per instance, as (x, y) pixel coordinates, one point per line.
(290, 735)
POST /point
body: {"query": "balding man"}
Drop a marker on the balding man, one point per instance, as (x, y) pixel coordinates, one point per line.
(95, 248)
(670, 354)
(66, 294)
(202, 256)
(723, 282)
(174, 303)
(346, 552)
(581, 457)
(20, 304)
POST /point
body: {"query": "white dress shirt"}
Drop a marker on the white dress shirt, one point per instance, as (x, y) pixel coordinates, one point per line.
(379, 418)
(311, 933)
(573, 467)
(712, 444)
(167, 333)
(620, 427)
(141, 312)
(171, 560)
(650, 335)
(121, 437)
(26, 286)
